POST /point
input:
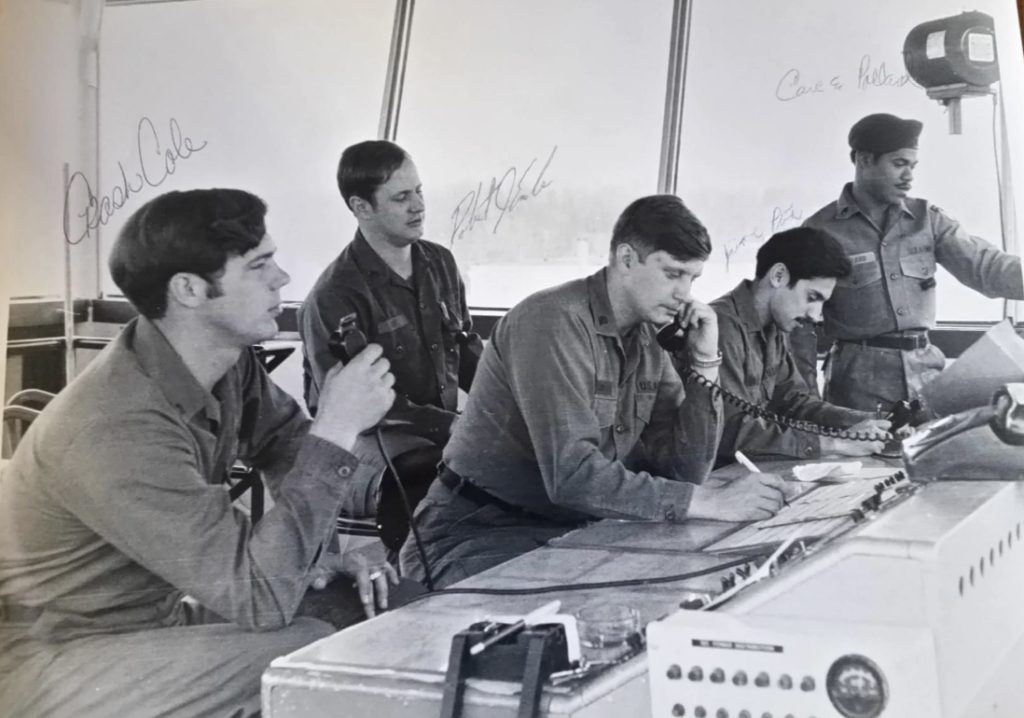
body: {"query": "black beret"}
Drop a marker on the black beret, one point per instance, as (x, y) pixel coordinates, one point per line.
(882, 133)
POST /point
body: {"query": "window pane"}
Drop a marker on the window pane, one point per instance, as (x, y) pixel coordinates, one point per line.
(272, 91)
(772, 90)
(533, 124)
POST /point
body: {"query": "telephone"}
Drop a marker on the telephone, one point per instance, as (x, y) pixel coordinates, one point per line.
(986, 442)
(671, 340)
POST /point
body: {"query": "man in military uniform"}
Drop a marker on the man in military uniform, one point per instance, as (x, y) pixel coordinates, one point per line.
(879, 317)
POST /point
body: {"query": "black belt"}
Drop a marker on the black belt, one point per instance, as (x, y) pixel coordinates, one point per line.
(907, 342)
(460, 487)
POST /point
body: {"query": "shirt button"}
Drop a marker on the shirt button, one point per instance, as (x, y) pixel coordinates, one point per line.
(423, 305)
(442, 387)
(670, 515)
(885, 244)
(620, 429)
(901, 311)
(809, 450)
(894, 276)
(344, 472)
(433, 347)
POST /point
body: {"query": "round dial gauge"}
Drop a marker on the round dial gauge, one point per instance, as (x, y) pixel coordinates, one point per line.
(857, 687)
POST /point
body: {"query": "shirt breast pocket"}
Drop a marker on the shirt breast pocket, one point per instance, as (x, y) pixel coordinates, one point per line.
(918, 266)
(606, 407)
(645, 406)
(863, 274)
(395, 336)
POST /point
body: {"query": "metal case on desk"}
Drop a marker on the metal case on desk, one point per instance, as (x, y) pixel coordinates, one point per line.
(947, 564)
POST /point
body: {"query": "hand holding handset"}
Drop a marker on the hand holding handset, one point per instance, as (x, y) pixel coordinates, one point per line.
(347, 340)
(345, 344)
(673, 336)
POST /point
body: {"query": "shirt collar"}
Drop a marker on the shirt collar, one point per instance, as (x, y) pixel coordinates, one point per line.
(846, 205)
(376, 269)
(601, 304)
(165, 367)
(743, 300)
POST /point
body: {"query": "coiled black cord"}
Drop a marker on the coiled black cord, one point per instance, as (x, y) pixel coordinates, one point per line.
(408, 510)
(758, 412)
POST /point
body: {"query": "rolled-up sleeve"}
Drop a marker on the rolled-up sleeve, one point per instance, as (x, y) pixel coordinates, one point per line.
(549, 358)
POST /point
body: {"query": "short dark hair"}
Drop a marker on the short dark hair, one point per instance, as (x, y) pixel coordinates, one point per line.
(366, 166)
(662, 222)
(808, 253)
(194, 232)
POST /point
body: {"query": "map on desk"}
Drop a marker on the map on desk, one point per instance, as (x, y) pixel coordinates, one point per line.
(815, 513)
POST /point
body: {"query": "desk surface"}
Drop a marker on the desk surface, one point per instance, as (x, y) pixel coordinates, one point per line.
(407, 649)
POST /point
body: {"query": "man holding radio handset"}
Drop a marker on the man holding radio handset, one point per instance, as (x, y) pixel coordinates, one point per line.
(129, 583)
(577, 413)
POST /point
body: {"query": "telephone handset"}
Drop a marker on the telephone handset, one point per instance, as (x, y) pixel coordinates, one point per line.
(670, 339)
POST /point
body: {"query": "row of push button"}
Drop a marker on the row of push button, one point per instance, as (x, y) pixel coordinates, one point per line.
(700, 712)
(761, 680)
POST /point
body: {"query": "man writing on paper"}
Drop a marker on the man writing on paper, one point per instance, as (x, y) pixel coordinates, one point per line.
(406, 295)
(796, 271)
(879, 316)
(577, 413)
(129, 583)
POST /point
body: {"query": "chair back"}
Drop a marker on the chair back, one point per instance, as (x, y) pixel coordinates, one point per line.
(417, 469)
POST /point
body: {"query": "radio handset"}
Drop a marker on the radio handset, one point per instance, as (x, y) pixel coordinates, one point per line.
(670, 339)
(344, 344)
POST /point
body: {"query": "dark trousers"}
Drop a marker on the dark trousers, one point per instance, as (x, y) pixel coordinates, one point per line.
(462, 538)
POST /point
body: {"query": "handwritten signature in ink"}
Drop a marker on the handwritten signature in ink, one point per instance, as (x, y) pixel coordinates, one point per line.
(792, 85)
(152, 172)
(782, 217)
(503, 194)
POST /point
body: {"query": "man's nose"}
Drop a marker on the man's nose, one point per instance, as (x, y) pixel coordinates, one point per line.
(283, 278)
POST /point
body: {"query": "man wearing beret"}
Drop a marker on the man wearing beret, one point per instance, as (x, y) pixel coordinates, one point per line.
(879, 316)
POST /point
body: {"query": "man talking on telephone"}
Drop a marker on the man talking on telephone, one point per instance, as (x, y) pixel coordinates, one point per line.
(796, 272)
(576, 412)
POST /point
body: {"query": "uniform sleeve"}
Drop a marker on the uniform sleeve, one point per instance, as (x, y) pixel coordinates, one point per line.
(553, 383)
(973, 261)
(681, 440)
(182, 527)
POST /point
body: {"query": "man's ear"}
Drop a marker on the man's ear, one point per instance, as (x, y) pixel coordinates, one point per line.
(626, 256)
(778, 275)
(360, 207)
(187, 290)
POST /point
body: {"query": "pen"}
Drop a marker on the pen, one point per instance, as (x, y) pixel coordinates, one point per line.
(750, 466)
(747, 463)
(545, 610)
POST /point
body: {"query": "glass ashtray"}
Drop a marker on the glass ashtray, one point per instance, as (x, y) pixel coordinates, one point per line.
(607, 625)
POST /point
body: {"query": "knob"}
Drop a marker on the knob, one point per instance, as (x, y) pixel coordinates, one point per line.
(695, 674)
(718, 676)
(674, 673)
(807, 684)
(700, 712)
(678, 710)
(762, 680)
(785, 682)
(740, 679)
(743, 714)
(722, 713)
